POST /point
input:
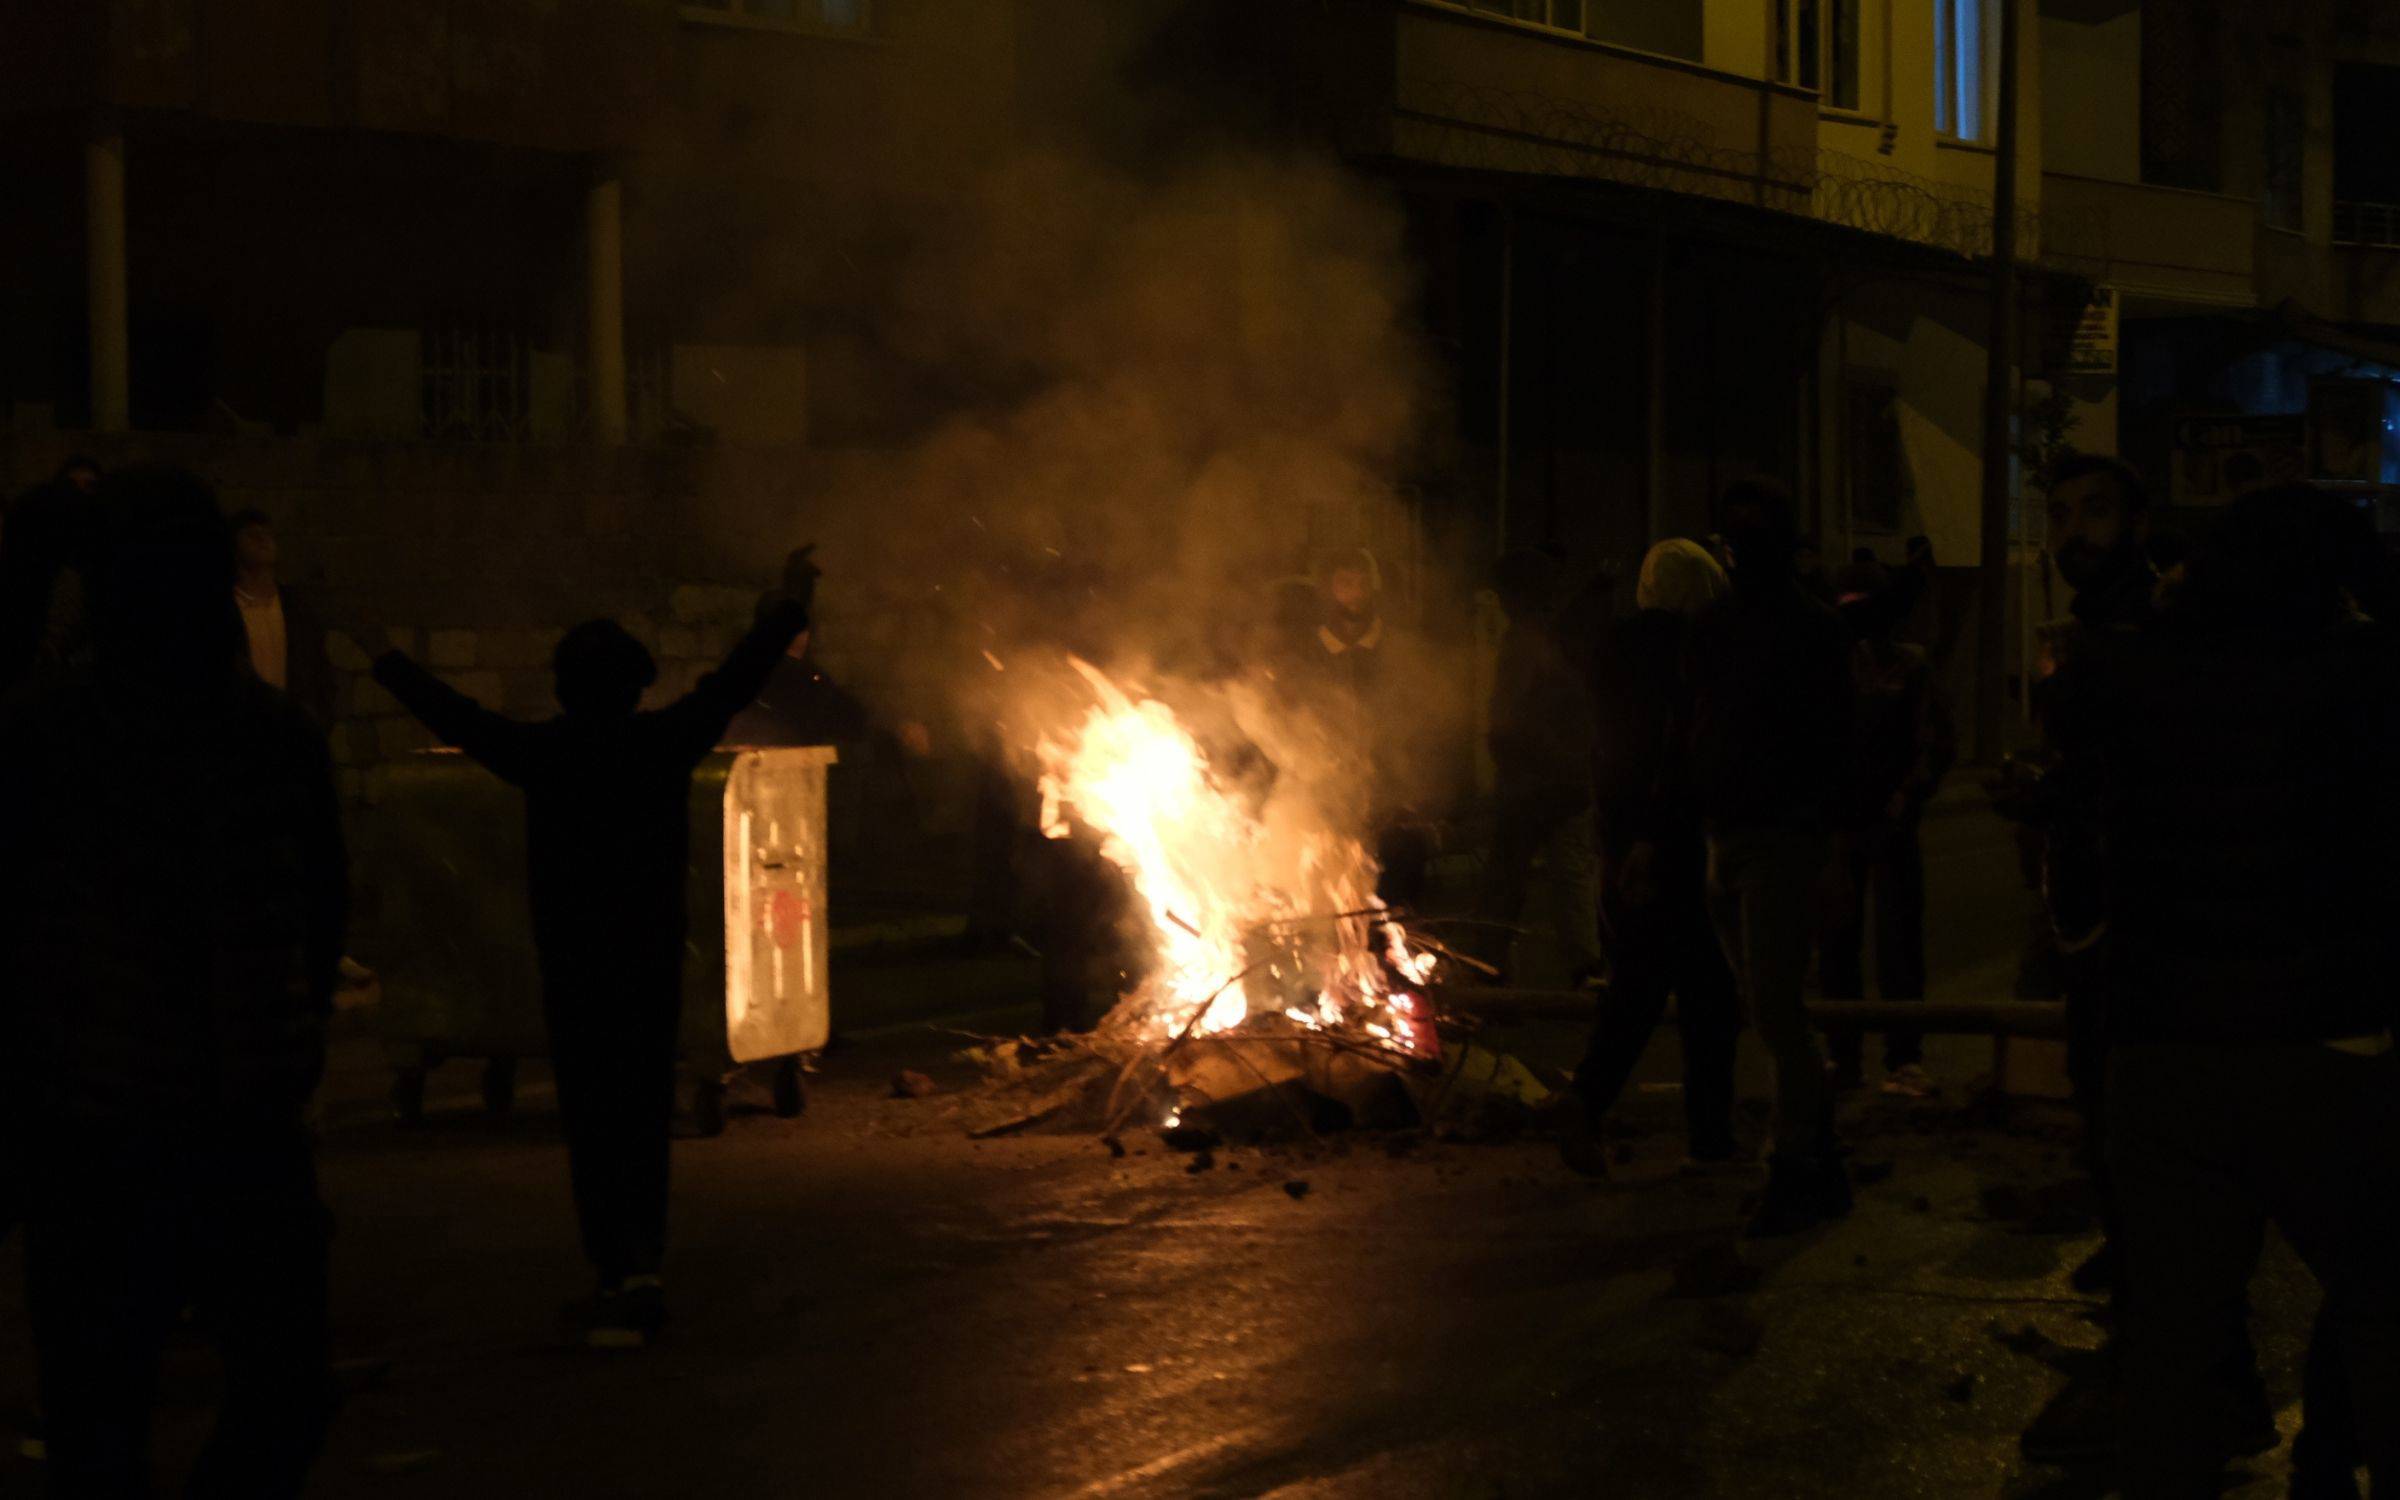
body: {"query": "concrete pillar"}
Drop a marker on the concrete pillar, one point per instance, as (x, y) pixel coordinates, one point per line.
(104, 273)
(1654, 391)
(604, 334)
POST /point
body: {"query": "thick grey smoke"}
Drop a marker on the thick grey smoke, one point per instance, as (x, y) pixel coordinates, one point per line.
(1196, 386)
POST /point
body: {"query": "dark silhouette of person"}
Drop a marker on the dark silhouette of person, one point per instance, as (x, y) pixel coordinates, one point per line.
(1654, 863)
(46, 555)
(1541, 740)
(1903, 744)
(607, 789)
(2237, 752)
(1770, 750)
(280, 621)
(172, 918)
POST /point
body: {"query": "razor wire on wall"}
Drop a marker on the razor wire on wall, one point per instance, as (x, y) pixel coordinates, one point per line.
(1489, 128)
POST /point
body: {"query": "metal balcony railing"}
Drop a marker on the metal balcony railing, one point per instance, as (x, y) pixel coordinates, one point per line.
(2366, 223)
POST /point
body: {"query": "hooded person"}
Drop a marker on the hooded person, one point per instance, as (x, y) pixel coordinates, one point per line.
(2238, 755)
(48, 545)
(1354, 662)
(1770, 743)
(1541, 745)
(1902, 745)
(607, 812)
(1654, 861)
(158, 1051)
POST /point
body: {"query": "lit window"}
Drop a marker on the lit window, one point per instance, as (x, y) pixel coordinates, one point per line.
(1958, 32)
(794, 15)
(1816, 47)
(1841, 55)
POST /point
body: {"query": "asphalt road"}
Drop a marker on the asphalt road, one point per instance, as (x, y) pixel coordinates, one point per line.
(868, 1304)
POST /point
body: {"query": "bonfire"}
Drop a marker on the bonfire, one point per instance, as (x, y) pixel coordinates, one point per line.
(1276, 974)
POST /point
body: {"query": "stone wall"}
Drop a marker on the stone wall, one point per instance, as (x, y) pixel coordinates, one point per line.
(473, 559)
(476, 559)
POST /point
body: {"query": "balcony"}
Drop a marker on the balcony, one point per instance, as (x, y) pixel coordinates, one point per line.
(1476, 93)
(2366, 223)
(525, 73)
(2167, 243)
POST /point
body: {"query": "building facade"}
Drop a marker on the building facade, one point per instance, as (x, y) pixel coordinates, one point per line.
(562, 296)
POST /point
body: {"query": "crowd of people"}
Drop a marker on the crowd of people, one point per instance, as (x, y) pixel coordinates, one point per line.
(2210, 816)
(1721, 785)
(176, 901)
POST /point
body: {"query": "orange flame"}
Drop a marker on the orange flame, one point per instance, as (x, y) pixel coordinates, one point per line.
(1245, 919)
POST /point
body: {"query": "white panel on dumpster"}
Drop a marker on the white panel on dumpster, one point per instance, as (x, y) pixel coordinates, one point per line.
(776, 940)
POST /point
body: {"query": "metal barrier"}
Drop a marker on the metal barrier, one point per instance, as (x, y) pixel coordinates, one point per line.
(1993, 1018)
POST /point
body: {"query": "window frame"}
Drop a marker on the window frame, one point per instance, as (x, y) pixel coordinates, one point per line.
(1512, 10)
(738, 14)
(1802, 62)
(1947, 70)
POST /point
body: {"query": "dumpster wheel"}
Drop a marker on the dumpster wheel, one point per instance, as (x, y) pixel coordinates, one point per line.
(708, 1106)
(408, 1093)
(791, 1088)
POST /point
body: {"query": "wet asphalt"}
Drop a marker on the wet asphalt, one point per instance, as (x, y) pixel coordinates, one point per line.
(866, 1303)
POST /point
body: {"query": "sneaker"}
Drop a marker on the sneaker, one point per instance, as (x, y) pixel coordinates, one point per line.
(1716, 1161)
(1579, 1143)
(1791, 1204)
(2097, 1275)
(629, 1316)
(2321, 1469)
(1911, 1081)
(2079, 1426)
(1830, 1185)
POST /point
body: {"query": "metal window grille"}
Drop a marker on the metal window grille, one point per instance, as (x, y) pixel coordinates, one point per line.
(2366, 223)
(1958, 29)
(1559, 15)
(475, 380)
(840, 16)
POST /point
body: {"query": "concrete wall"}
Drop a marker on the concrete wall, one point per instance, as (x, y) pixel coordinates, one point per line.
(473, 558)
(1672, 28)
(2091, 88)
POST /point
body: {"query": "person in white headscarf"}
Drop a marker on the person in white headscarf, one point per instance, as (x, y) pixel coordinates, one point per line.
(1653, 894)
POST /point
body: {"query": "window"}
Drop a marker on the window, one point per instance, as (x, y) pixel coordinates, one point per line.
(792, 15)
(2287, 132)
(1958, 32)
(1841, 55)
(1816, 47)
(1559, 15)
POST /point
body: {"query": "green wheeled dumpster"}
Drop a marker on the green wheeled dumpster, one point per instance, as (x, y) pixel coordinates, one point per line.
(453, 943)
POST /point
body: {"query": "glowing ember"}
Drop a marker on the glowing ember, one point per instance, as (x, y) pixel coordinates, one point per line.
(1254, 908)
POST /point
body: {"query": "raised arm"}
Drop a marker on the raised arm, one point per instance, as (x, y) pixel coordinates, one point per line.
(502, 744)
(697, 720)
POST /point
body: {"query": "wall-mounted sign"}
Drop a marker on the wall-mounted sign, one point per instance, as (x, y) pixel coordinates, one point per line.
(2351, 428)
(2092, 348)
(2218, 458)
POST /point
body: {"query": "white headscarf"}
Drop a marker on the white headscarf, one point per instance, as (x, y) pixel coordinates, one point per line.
(1679, 575)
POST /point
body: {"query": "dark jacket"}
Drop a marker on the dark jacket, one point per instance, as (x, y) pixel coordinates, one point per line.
(1542, 731)
(800, 705)
(174, 906)
(1902, 739)
(48, 543)
(606, 803)
(2244, 802)
(2074, 861)
(1641, 700)
(1771, 710)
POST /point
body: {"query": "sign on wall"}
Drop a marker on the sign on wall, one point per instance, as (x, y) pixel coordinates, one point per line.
(2092, 348)
(2218, 458)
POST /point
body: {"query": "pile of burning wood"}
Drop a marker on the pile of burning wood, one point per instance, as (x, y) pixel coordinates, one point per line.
(1278, 995)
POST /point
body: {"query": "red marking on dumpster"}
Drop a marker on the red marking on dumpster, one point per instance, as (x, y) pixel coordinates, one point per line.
(786, 917)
